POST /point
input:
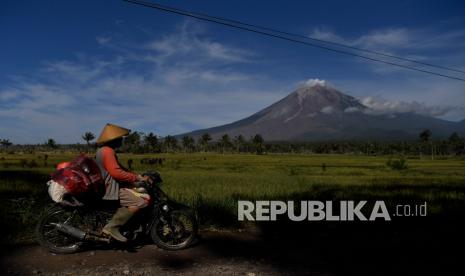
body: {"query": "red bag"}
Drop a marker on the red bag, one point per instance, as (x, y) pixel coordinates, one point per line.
(80, 176)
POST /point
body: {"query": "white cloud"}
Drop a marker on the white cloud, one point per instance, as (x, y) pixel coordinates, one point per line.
(327, 110)
(314, 82)
(389, 39)
(383, 106)
(223, 77)
(173, 84)
(429, 45)
(351, 109)
(186, 41)
(69, 97)
(327, 35)
(35, 96)
(78, 70)
(102, 40)
(445, 98)
(8, 95)
(385, 39)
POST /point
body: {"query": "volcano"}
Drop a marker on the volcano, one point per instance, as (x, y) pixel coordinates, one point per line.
(319, 112)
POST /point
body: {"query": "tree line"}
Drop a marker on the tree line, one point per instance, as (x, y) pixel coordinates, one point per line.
(139, 142)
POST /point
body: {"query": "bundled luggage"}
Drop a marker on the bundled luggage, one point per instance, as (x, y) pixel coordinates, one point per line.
(56, 191)
(79, 178)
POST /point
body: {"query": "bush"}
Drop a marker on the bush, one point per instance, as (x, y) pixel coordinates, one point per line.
(32, 164)
(23, 163)
(398, 164)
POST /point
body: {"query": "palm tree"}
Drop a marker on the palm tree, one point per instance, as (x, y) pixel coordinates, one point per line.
(133, 140)
(188, 143)
(455, 138)
(239, 142)
(151, 141)
(425, 136)
(225, 142)
(258, 142)
(456, 142)
(88, 136)
(51, 143)
(5, 143)
(204, 139)
(170, 143)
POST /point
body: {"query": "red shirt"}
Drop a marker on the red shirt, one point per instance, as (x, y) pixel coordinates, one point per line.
(112, 166)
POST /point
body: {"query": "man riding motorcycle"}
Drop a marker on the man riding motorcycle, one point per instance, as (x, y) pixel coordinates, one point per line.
(119, 183)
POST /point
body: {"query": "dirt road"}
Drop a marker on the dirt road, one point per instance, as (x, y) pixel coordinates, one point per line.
(414, 248)
(227, 253)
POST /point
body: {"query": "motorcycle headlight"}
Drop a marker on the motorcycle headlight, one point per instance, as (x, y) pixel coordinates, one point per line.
(165, 208)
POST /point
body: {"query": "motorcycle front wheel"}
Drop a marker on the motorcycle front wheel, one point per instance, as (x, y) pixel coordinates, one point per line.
(175, 230)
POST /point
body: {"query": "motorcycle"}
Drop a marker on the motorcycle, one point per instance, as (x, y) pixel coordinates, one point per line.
(67, 228)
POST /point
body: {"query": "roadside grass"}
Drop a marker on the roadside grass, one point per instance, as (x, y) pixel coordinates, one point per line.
(212, 183)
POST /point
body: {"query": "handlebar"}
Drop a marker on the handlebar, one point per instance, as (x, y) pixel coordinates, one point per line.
(154, 176)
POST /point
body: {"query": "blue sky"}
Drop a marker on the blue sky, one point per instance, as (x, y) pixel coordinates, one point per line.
(67, 67)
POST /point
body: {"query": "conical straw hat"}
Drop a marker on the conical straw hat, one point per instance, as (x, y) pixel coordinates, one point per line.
(111, 132)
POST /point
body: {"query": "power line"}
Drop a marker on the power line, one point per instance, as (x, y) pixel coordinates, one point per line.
(312, 38)
(231, 24)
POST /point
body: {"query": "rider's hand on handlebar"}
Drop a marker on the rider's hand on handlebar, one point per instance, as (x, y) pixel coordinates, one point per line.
(144, 178)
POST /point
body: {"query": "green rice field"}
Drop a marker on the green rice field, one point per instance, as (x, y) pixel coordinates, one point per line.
(212, 183)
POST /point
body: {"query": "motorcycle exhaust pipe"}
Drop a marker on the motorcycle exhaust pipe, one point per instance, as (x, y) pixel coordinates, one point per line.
(70, 230)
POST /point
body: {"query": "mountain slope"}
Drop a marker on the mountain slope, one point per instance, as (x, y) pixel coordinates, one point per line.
(320, 112)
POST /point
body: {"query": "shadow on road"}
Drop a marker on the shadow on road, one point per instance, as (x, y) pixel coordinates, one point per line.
(404, 245)
(410, 245)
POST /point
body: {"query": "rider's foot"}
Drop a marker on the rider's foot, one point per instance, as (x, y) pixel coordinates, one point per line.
(114, 233)
(119, 219)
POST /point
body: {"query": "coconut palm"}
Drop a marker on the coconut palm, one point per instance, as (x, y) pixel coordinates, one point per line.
(151, 141)
(258, 143)
(225, 142)
(51, 143)
(204, 139)
(88, 136)
(425, 136)
(239, 142)
(170, 143)
(188, 143)
(5, 143)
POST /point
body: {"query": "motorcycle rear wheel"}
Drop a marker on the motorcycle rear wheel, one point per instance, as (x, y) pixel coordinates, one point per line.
(49, 237)
(175, 230)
